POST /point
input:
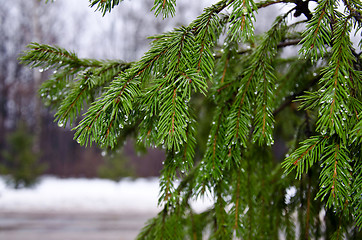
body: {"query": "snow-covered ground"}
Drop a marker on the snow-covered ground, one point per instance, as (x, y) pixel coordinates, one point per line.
(86, 195)
(80, 209)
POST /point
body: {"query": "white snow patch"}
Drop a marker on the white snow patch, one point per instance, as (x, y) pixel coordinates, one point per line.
(87, 195)
(290, 193)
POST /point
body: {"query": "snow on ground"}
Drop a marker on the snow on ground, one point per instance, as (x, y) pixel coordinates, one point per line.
(86, 195)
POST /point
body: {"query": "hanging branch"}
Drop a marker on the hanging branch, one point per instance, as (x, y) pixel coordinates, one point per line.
(104, 6)
(164, 100)
(166, 7)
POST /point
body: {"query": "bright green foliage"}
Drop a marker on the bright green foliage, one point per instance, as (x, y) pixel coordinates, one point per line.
(74, 81)
(166, 7)
(242, 16)
(216, 98)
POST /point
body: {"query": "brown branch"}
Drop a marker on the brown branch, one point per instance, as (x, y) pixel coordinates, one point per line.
(172, 130)
(75, 100)
(335, 170)
(304, 153)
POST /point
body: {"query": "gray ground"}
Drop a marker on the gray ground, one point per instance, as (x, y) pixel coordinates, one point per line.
(70, 226)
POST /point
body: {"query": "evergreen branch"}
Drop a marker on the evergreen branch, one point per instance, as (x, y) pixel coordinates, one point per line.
(46, 56)
(334, 100)
(303, 158)
(239, 118)
(104, 6)
(123, 92)
(94, 78)
(176, 74)
(105, 116)
(168, 176)
(215, 153)
(155, 98)
(71, 106)
(222, 230)
(92, 74)
(206, 31)
(318, 34)
(237, 202)
(261, 65)
(181, 162)
(241, 20)
(166, 7)
(147, 231)
(163, 226)
(335, 176)
(57, 87)
(352, 7)
(236, 213)
(242, 17)
(356, 132)
(173, 120)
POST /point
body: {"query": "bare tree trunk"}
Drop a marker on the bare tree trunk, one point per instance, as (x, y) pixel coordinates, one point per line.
(37, 80)
(3, 87)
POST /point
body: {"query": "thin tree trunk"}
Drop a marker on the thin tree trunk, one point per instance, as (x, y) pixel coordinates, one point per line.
(37, 80)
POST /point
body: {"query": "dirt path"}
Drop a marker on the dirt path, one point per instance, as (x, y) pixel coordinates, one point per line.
(70, 226)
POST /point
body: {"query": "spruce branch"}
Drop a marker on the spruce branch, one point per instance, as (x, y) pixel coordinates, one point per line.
(318, 34)
(334, 101)
(215, 152)
(107, 115)
(261, 68)
(335, 176)
(166, 7)
(46, 56)
(303, 158)
(122, 93)
(206, 29)
(356, 132)
(161, 98)
(104, 6)
(87, 74)
(84, 88)
(353, 6)
(241, 20)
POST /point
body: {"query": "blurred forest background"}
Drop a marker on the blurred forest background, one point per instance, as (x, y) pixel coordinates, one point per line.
(30, 142)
